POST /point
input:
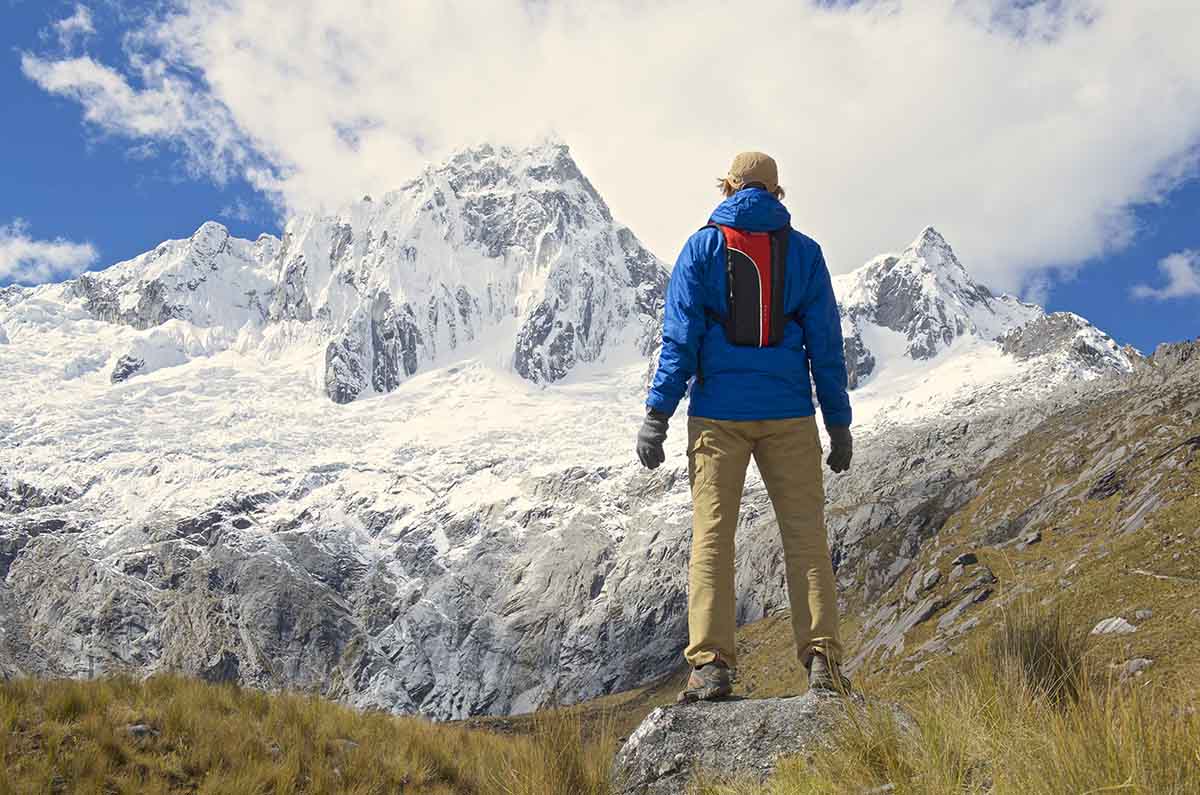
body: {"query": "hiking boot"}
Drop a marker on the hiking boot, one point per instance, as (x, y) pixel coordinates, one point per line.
(826, 675)
(707, 683)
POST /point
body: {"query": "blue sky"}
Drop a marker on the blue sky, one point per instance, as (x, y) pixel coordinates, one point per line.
(122, 189)
(66, 179)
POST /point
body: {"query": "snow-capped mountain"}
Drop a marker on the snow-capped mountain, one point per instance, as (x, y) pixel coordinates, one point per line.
(920, 332)
(177, 489)
(512, 251)
(490, 242)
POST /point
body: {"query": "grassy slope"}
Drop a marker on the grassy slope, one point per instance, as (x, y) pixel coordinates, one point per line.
(76, 737)
(1088, 565)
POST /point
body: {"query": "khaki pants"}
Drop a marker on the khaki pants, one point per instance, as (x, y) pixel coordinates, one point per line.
(788, 454)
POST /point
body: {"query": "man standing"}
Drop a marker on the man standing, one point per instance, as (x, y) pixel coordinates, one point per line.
(752, 322)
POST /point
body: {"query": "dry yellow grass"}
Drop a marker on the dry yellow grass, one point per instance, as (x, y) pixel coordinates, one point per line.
(74, 737)
(1022, 714)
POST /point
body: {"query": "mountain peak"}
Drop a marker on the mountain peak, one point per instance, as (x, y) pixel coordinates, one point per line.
(929, 238)
(930, 252)
(926, 294)
(210, 238)
(482, 170)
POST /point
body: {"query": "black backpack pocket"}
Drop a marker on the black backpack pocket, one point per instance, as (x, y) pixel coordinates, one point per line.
(746, 295)
(755, 290)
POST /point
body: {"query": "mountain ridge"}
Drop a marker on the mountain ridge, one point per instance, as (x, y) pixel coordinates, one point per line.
(491, 237)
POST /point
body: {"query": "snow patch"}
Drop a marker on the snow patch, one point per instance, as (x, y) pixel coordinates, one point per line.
(84, 364)
(173, 343)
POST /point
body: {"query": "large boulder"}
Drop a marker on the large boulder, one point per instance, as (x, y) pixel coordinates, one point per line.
(737, 738)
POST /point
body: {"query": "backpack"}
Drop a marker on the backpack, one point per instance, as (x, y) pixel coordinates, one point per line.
(756, 271)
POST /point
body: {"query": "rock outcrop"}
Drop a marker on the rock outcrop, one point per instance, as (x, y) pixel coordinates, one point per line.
(739, 739)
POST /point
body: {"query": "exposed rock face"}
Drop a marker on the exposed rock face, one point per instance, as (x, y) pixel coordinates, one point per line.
(345, 378)
(13, 293)
(527, 605)
(1064, 331)
(455, 578)
(125, 367)
(396, 341)
(737, 739)
(860, 363)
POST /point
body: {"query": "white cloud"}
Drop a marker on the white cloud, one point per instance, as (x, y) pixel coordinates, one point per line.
(237, 211)
(77, 26)
(166, 108)
(1037, 289)
(1024, 132)
(1182, 271)
(24, 259)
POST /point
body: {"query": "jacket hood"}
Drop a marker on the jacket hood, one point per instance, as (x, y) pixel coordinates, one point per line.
(752, 209)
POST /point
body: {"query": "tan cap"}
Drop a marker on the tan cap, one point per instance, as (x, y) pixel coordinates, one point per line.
(751, 167)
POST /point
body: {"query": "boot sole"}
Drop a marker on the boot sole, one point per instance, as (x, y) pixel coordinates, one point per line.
(705, 694)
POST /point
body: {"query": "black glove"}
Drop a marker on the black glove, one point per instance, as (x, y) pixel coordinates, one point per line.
(841, 448)
(650, 439)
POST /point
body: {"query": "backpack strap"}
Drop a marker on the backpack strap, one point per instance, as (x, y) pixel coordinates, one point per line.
(780, 240)
(709, 312)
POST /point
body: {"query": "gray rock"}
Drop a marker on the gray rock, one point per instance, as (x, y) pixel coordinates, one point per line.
(1058, 331)
(1113, 626)
(929, 320)
(983, 578)
(345, 373)
(736, 738)
(1029, 540)
(1136, 667)
(141, 730)
(1106, 486)
(913, 591)
(890, 638)
(185, 285)
(953, 614)
(966, 559)
(125, 368)
(860, 363)
(921, 581)
(536, 598)
(1143, 614)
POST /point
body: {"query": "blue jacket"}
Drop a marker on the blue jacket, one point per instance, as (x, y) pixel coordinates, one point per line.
(747, 383)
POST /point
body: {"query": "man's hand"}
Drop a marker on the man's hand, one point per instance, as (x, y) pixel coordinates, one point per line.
(841, 448)
(650, 439)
